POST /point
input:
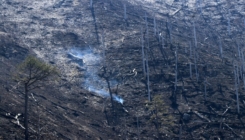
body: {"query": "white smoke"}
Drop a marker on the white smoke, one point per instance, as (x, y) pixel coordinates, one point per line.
(91, 62)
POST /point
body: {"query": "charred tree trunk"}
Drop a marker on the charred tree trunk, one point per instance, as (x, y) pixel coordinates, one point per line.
(109, 87)
(26, 112)
(106, 116)
(107, 77)
(157, 122)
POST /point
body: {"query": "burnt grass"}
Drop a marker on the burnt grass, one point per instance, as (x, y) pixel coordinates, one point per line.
(64, 109)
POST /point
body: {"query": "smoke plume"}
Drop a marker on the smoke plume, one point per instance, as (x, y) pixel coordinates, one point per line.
(91, 62)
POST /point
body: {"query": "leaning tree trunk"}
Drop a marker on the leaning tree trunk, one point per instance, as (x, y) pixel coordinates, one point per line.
(26, 112)
(109, 87)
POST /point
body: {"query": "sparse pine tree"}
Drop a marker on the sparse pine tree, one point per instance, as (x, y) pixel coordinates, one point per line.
(159, 114)
(30, 73)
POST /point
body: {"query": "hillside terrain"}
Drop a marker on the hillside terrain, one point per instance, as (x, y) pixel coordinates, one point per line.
(175, 69)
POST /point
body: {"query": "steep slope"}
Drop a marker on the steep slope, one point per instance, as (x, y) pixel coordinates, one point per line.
(94, 44)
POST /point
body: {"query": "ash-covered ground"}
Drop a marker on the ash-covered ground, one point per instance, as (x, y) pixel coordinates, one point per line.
(194, 50)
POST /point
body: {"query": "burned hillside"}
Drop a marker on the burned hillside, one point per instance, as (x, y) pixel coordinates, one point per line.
(119, 60)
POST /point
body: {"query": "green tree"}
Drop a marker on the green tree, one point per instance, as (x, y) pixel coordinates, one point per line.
(30, 73)
(159, 114)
